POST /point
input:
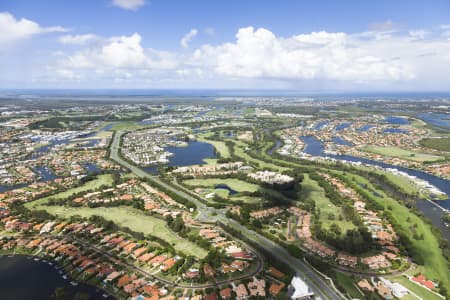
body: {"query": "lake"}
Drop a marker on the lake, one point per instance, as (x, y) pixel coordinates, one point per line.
(193, 154)
(21, 277)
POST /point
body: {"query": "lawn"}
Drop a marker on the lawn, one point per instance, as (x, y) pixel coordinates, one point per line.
(133, 218)
(312, 191)
(419, 291)
(435, 264)
(402, 153)
(232, 183)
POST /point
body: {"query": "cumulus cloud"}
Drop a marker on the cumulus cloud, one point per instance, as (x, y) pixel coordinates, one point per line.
(12, 29)
(184, 42)
(129, 4)
(123, 52)
(400, 59)
(318, 55)
(81, 39)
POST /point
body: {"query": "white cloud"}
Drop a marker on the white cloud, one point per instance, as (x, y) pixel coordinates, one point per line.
(12, 29)
(123, 52)
(184, 42)
(318, 55)
(418, 34)
(408, 59)
(81, 39)
(129, 4)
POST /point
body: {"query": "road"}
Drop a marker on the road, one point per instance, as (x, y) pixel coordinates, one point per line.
(319, 286)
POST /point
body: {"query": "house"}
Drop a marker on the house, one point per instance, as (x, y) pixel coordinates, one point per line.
(275, 288)
(192, 273)
(241, 291)
(365, 285)
(208, 270)
(346, 260)
(275, 273)
(301, 289)
(225, 293)
(124, 280)
(257, 287)
(421, 279)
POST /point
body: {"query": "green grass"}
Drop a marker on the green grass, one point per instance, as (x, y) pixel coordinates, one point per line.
(239, 147)
(402, 153)
(348, 284)
(418, 290)
(220, 146)
(313, 191)
(441, 144)
(235, 184)
(435, 264)
(105, 179)
(247, 199)
(133, 218)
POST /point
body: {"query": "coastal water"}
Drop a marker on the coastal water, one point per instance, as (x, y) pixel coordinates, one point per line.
(315, 147)
(193, 154)
(23, 278)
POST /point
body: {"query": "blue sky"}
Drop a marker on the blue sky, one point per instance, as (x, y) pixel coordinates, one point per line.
(299, 45)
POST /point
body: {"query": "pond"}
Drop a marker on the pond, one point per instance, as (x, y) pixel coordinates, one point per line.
(21, 277)
(225, 187)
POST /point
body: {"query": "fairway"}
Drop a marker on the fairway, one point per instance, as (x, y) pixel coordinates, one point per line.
(313, 191)
(133, 218)
(234, 184)
(220, 146)
(105, 180)
(402, 153)
(435, 263)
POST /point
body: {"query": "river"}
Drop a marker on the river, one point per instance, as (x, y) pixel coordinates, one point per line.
(315, 147)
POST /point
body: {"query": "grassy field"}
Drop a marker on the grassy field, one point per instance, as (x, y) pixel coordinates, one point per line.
(402, 153)
(247, 199)
(220, 146)
(313, 191)
(441, 144)
(133, 218)
(239, 151)
(419, 291)
(435, 265)
(105, 179)
(234, 184)
(347, 282)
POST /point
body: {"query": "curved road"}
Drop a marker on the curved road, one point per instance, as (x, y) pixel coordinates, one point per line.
(320, 287)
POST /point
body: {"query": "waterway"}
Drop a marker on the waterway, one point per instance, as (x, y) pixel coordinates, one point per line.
(440, 120)
(21, 277)
(315, 148)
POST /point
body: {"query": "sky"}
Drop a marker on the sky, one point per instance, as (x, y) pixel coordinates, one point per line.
(303, 45)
